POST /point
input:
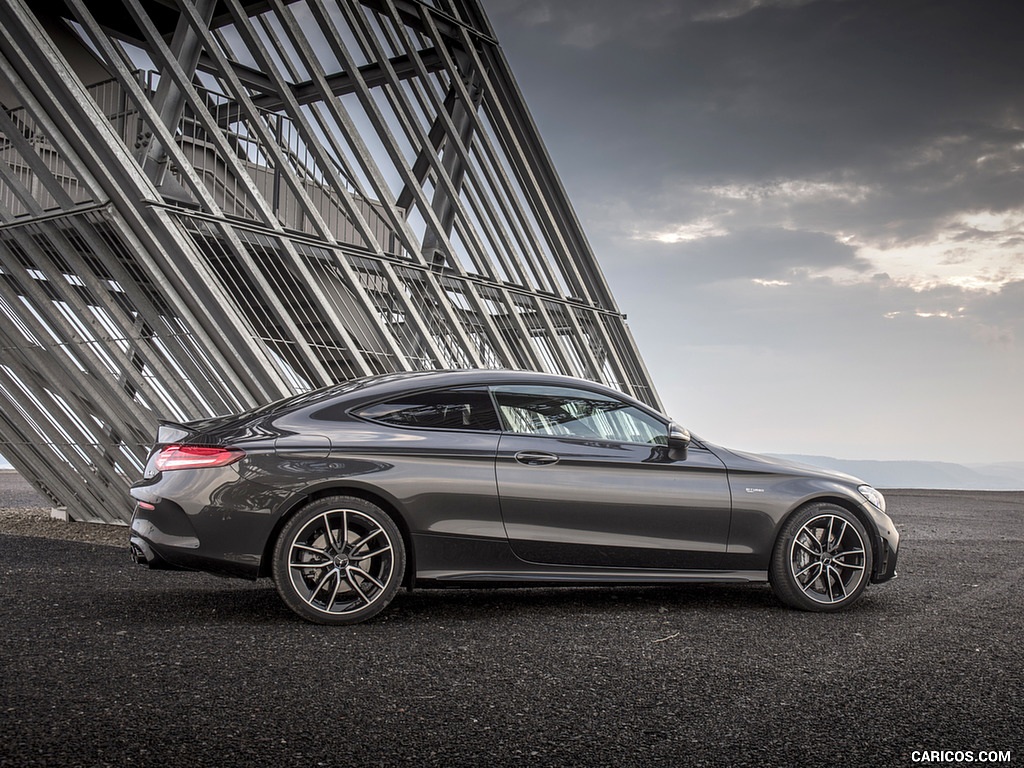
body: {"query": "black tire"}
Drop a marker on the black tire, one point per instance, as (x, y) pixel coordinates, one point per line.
(822, 559)
(339, 560)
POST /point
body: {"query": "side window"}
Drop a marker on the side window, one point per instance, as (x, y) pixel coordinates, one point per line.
(575, 413)
(469, 408)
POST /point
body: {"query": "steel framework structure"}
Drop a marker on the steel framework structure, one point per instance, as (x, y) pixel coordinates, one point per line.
(209, 204)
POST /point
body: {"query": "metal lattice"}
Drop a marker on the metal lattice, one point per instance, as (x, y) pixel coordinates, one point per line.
(208, 204)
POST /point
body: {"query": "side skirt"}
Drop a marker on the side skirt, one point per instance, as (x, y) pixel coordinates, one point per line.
(552, 576)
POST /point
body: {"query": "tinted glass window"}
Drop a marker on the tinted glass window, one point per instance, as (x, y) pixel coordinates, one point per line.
(576, 413)
(304, 399)
(440, 409)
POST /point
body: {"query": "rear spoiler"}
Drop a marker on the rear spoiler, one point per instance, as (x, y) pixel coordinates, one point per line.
(173, 432)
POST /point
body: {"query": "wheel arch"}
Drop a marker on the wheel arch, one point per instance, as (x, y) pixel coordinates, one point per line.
(389, 507)
(840, 501)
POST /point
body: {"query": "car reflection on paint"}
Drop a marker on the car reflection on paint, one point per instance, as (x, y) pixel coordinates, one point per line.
(492, 477)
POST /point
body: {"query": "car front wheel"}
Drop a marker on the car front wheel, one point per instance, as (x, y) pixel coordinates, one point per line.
(339, 560)
(822, 559)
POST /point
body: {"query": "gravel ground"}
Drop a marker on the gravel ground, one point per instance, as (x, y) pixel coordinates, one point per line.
(25, 512)
(106, 663)
(15, 492)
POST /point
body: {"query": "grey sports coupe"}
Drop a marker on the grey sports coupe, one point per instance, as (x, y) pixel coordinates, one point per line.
(493, 477)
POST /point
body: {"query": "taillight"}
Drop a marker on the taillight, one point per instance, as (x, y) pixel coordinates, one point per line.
(195, 456)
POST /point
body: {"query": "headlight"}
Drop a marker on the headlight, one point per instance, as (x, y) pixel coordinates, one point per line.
(872, 495)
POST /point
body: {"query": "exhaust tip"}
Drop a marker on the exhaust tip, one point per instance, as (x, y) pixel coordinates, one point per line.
(137, 555)
(142, 554)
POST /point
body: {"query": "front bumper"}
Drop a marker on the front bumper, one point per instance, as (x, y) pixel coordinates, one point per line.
(887, 544)
(885, 568)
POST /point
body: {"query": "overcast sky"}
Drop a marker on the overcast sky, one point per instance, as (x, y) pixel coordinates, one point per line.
(811, 210)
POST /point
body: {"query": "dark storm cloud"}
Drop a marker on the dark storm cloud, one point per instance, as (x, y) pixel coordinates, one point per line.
(923, 102)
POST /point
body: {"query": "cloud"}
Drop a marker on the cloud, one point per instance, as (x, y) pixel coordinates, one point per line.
(681, 233)
(726, 10)
(790, 191)
(916, 100)
(777, 289)
(870, 369)
(998, 314)
(789, 219)
(587, 35)
(751, 254)
(812, 212)
(592, 23)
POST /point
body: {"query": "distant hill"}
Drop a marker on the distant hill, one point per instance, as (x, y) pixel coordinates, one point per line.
(1011, 470)
(923, 474)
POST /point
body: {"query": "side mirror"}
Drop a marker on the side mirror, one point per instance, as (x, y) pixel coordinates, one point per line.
(678, 442)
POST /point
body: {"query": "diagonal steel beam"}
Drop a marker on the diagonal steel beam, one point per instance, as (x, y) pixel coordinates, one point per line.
(309, 91)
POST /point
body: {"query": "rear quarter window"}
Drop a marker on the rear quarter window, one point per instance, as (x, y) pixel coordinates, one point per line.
(469, 409)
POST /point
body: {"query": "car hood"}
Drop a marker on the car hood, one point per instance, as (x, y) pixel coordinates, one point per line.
(756, 462)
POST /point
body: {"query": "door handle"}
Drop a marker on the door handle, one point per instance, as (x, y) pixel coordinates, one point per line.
(536, 458)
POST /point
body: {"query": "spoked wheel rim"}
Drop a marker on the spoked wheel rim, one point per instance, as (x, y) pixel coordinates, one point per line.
(341, 562)
(827, 559)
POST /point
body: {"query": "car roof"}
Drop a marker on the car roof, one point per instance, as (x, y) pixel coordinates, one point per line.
(467, 376)
(376, 387)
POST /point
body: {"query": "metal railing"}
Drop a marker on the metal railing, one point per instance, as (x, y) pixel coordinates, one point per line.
(228, 191)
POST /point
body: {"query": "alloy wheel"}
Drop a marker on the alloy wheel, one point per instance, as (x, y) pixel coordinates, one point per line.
(341, 562)
(827, 559)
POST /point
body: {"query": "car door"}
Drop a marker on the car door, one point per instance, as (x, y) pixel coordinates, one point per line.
(586, 479)
(433, 452)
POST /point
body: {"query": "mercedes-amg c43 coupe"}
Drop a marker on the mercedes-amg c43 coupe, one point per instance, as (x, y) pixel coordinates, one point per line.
(493, 477)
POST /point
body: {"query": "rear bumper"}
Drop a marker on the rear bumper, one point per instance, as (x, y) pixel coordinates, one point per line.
(163, 538)
(152, 545)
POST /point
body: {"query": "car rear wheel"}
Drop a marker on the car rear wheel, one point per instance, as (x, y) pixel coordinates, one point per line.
(822, 559)
(339, 560)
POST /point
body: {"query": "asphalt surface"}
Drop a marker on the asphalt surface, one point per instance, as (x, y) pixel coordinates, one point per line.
(106, 663)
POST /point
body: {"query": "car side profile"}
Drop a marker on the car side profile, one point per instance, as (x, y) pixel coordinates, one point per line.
(493, 477)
